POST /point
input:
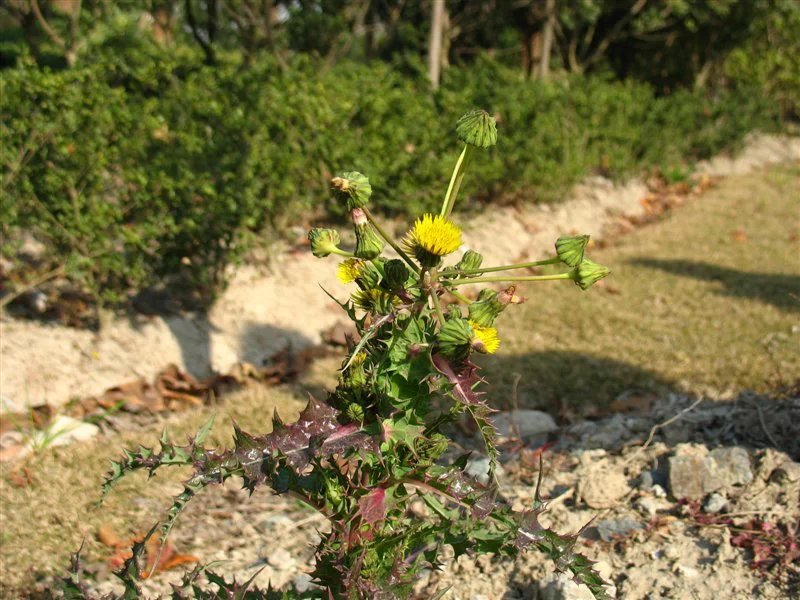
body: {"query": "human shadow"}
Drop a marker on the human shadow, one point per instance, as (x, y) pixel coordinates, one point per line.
(780, 290)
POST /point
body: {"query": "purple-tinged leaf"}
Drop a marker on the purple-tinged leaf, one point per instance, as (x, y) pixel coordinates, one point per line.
(462, 379)
(483, 506)
(530, 530)
(347, 437)
(372, 507)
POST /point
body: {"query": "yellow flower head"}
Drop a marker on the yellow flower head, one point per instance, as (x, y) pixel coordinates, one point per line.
(349, 270)
(432, 237)
(484, 339)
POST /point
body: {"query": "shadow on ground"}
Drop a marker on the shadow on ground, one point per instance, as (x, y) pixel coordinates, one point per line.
(568, 384)
(782, 291)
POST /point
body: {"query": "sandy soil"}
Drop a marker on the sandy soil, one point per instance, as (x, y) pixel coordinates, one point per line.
(257, 315)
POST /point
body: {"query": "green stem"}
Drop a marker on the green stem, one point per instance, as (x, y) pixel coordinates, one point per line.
(456, 179)
(389, 240)
(530, 278)
(434, 296)
(461, 297)
(526, 265)
(341, 252)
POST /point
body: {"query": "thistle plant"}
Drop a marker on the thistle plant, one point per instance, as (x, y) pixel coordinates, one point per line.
(377, 443)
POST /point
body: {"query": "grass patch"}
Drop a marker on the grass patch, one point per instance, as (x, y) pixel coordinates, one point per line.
(710, 296)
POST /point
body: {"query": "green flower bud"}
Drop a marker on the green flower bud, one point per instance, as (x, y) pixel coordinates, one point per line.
(470, 261)
(334, 492)
(570, 249)
(368, 243)
(352, 187)
(486, 308)
(370, 276)
(588, 273)
(477, 128)
(323, 241)
(375, 301)
(395, 274)
(430, 449)
(355, 412)
(490, 304)
(454, 338)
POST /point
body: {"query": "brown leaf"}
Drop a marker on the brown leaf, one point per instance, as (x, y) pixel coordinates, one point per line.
(739, 235)
(108, 537)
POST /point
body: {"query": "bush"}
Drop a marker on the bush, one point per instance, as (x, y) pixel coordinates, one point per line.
(133, 171)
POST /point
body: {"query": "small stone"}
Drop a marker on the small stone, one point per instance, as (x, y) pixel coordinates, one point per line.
(603, 487)
(303, 582)
(610, 434)
(647, 506)
(62, 431)
(786, 472)
(646, 481)
(695, 472)
(559, 586)
(685, 571)
(658, 491)
(715, 503)
(281, 559)
(478, 467)
(524, 423)
(611, 529)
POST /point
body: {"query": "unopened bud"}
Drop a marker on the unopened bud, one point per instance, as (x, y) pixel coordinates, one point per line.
(352, 187)
(323, 241)
(454, 338)
(477, 128)
(570, 249)
(368, 243)
(471, 261)
(395, 274)
(588, 273)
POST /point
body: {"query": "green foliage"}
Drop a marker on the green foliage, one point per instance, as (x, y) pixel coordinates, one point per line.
(372, 449)
(136, 172)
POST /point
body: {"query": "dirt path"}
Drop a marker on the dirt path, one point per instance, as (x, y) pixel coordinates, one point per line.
(258, 313)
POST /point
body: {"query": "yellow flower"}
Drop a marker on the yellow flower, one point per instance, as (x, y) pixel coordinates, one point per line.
(348, 270)
(431, 238)
(484, 339)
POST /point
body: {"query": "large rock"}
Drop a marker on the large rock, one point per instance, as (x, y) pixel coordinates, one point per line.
(525, 423)
(695, 472)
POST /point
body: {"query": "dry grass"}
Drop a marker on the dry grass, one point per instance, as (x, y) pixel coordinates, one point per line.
(708, 297)
(46, 520)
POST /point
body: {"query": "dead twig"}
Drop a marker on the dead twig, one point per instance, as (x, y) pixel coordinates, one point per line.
(661, 425)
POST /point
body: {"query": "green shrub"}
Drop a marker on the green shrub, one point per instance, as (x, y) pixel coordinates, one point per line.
(134, 171)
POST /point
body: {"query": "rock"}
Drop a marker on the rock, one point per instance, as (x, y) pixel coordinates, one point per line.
(715, 503)
(695, 472)
(478, 467)
(303, 582)
(281, 559)
(62, 431)
(610, 529)
(559, 586)
(658, 491)
(611, 434)
(525, 424)
(603, 487)
(786, 472)
(647, 506)
(645, 481)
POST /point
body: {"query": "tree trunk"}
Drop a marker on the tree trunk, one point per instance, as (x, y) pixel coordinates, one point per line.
(547, 39)
(435, 42)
